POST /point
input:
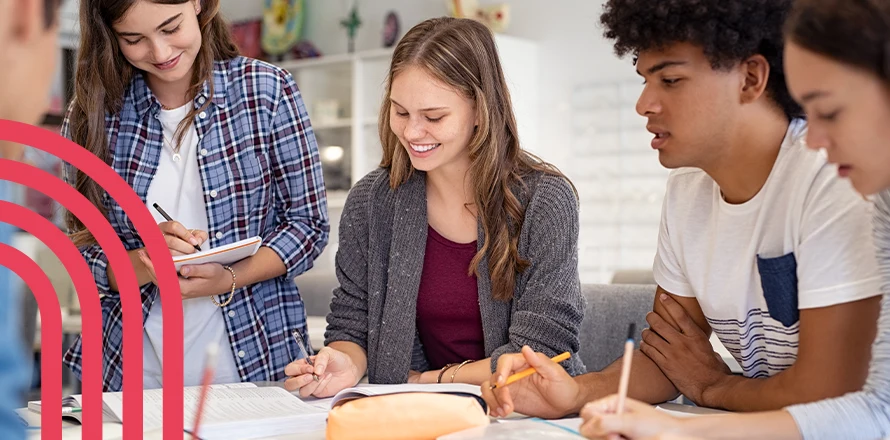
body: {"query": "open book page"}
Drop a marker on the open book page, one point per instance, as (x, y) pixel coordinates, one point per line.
(227, 405)
(367, 390)
(72, 401)
(322, 403)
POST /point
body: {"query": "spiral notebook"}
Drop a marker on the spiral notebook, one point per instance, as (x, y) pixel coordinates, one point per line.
(227, 254)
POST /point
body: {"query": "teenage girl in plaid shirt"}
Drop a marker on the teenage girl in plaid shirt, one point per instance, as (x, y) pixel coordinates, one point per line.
(224, 145)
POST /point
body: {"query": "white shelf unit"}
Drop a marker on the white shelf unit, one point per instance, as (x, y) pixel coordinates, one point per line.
(356, 82)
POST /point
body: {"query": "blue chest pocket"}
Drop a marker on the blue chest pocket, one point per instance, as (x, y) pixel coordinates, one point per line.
(778, 278)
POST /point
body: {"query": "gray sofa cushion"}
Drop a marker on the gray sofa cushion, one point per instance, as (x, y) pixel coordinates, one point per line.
(610, 308)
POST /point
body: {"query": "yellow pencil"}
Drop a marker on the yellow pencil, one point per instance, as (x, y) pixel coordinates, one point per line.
(529, 371)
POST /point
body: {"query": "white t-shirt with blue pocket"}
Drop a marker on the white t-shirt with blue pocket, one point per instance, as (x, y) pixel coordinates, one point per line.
(804, 241)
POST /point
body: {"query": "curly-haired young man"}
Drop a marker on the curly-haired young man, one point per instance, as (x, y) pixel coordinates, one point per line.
(760, 241)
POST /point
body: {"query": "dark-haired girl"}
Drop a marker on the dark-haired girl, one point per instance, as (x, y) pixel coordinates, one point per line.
(224, 145)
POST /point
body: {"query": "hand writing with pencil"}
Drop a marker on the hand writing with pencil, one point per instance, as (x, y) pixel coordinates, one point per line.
(180, 240)
(682, 350)
(549, 393)
(197, 280)
(638, 421)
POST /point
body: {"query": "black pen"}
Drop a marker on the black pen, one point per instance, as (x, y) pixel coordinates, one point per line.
(167, 217)
(302, 344)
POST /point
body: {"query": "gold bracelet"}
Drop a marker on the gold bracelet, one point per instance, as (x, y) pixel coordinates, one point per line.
(442, 372)
(231, 294)
(458, 368)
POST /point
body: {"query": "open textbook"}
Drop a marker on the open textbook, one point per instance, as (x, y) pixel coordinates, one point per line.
(241, 411)
(245, 411)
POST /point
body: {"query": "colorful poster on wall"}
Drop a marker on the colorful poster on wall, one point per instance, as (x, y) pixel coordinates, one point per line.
(282, 25)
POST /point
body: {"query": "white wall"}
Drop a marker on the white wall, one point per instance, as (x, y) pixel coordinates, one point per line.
(572, 50)
(69, 26)
(617, 175)
(322, 25)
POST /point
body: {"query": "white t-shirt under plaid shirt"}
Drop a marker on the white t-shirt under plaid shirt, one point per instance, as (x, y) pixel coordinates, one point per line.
(176, 187)
(804, 241)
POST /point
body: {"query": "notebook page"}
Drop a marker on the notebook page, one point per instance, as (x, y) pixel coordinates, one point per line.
(225, 254)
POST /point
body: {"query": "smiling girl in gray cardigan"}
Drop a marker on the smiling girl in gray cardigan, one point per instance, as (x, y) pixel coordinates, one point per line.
(462, 246)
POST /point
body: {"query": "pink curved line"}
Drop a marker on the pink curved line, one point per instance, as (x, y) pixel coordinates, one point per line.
(92, 316)
(90, 307)
(50, 328)
(135, 208)
(82, 279)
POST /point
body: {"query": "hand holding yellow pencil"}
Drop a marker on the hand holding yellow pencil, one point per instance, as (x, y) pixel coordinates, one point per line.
(529, 371)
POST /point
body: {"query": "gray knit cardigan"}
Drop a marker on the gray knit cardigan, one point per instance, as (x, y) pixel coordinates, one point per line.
(379, 262)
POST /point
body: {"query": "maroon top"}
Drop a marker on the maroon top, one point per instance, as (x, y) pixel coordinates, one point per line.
(448, 316)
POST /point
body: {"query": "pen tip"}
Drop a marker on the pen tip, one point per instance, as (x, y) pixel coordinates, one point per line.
(631, 331)
(492, 386)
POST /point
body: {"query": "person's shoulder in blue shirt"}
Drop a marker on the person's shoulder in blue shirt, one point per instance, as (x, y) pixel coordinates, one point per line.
(28, 45)
(13, 368)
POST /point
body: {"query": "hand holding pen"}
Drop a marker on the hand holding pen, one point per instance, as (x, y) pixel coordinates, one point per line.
(301, 343)
(620, 417)
(322, 375)
(180, 240)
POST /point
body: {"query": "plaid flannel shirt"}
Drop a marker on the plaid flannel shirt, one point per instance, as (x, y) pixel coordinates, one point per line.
(261, 176)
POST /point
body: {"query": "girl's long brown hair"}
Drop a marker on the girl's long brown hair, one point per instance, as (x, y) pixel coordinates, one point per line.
(103, 76)
(462, 54)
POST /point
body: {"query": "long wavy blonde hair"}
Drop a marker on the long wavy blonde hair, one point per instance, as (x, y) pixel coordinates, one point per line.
(462, 54)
